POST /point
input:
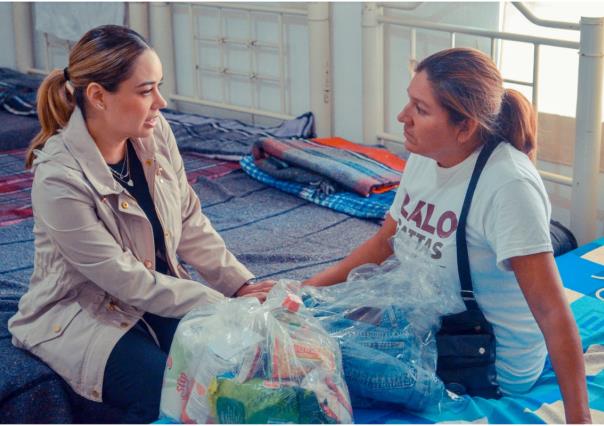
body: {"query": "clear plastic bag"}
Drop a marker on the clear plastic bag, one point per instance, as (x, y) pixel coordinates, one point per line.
(385, 318)
(243, 362)
(284, 361)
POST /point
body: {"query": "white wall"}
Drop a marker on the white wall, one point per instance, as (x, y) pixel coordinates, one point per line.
(7, 40)
(347, 109)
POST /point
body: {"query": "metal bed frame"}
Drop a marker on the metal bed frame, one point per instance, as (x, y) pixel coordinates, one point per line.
(154, 21)
(584, 182)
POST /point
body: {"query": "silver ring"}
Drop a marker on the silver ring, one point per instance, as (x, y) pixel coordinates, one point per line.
(600, 294)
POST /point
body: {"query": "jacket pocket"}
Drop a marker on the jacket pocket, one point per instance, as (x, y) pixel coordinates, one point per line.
(52, 324)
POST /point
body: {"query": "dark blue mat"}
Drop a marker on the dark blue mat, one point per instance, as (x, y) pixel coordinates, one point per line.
(275, 234)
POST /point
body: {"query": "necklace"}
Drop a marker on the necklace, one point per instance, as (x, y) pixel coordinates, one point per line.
(124, 174)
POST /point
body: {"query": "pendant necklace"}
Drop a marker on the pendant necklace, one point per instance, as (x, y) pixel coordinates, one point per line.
(124, 174)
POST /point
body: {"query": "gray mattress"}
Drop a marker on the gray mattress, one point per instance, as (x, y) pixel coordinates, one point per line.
(275, 234)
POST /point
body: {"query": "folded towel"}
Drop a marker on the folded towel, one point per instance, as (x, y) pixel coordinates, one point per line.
(328, 163)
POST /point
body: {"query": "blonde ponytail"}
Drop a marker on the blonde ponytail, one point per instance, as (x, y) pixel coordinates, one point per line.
(54, 105)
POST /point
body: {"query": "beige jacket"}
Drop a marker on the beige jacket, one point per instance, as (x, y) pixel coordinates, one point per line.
(94, 265)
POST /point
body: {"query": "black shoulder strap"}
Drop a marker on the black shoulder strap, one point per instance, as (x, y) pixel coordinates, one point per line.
(463, 262)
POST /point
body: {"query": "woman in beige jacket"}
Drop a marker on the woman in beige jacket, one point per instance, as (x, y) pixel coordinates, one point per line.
(113, 210)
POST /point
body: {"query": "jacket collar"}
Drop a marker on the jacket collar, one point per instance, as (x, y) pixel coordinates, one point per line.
(81, 146)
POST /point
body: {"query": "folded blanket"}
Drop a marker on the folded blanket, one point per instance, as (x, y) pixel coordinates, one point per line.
(374, 206)
(230, 139)
(18, 92)
(381, 155)
(320, 165)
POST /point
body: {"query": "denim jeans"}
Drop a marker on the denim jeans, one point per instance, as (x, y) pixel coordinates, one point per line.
(384, 361)
(134, 373)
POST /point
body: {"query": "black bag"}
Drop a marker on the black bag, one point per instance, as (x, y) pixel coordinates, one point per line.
(563, 240)
(466, 342)
(466, 355)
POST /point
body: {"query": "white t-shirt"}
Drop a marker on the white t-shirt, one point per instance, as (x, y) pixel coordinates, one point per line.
(509, 217)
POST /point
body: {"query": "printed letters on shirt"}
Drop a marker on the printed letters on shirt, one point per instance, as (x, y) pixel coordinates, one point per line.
(424, 227)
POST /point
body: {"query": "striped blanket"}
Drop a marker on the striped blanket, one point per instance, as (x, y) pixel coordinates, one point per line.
(332, 168)
(15, 188)
(374, 206)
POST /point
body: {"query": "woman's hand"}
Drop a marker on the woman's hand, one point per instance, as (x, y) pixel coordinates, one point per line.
(259, 289)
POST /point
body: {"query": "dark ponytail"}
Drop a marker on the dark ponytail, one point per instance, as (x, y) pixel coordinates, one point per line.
(517, 123)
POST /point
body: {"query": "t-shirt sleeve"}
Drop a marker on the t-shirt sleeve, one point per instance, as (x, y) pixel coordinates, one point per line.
(517, 224)
(395, 208)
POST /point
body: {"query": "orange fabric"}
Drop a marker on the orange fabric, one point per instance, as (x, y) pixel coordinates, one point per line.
(378, 154)
(383, 189)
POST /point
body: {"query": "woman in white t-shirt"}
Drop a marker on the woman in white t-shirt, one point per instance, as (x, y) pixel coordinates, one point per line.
(457, 102)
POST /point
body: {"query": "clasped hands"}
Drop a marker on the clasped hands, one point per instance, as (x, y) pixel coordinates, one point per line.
(258, 289)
